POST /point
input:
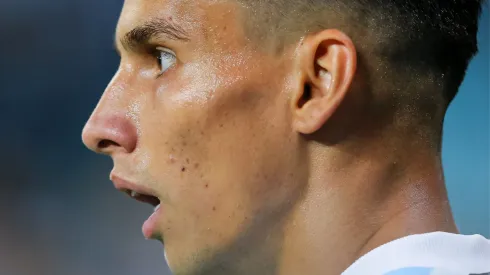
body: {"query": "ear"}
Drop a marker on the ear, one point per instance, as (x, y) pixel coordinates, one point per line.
(327, 61)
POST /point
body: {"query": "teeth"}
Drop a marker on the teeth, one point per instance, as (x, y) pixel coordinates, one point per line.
(134, 194)
(156, 208)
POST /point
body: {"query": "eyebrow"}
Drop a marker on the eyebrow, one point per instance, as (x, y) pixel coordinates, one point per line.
(141, 35)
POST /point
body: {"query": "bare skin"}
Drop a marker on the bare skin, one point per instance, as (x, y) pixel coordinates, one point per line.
(254, 174)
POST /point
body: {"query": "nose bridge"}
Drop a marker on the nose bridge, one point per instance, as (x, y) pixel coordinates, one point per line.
(116, 94)
(109, 128)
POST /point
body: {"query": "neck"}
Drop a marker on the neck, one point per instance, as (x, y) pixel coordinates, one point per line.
(358, 202)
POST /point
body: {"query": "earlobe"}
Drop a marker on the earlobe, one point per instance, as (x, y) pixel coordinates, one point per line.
(328, 66)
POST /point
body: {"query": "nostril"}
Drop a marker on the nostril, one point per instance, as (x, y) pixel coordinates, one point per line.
(105, 143)
(107, 133)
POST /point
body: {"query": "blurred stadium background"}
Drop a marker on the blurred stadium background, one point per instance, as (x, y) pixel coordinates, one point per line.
(60, 215)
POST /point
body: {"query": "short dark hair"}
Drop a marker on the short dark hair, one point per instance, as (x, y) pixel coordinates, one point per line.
(429, 37)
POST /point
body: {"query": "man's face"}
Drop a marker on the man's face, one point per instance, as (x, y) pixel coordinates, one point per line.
(206, 129)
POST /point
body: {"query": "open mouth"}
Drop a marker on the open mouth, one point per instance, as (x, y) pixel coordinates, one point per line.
(150, 225)
(142, 194)
(152, 200)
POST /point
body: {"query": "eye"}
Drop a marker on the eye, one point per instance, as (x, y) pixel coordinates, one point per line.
(166, 58)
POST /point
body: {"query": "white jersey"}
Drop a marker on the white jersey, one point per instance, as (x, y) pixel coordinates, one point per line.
(435, 253)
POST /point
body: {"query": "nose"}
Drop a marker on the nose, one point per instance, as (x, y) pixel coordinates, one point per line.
(108, 133)
(110, 129)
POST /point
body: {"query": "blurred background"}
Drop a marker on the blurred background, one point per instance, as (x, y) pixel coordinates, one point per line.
(59, 213)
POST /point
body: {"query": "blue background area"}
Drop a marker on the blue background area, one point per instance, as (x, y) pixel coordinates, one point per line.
(59, 214)
(466, 143)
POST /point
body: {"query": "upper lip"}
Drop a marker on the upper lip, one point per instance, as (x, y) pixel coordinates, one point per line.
(135, 191)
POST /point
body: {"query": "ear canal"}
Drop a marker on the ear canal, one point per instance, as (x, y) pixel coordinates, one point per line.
(306, 95)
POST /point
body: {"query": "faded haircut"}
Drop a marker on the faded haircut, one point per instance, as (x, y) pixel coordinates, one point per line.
(419, 45)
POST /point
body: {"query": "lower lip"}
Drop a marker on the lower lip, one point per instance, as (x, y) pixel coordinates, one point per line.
(150, 226)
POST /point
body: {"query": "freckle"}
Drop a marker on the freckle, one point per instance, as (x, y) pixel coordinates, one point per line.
(214, 208)
(224, 28)
(196, 165)
(207, 185)
(202, 133)
(183, 169)
(221, 125)
(184, 143)
(187, 160)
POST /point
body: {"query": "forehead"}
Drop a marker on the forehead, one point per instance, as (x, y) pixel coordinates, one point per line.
(202, 19)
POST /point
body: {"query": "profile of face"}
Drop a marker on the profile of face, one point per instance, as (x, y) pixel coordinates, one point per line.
(200, 120)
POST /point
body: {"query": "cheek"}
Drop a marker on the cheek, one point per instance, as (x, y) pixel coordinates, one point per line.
(175, 146)
(176, 140)
(185, 167)
(217, 150)
(185, 117)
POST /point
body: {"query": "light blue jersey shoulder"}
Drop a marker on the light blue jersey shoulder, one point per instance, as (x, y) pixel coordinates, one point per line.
(424, 271)
(435, 253)
(411, 271)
